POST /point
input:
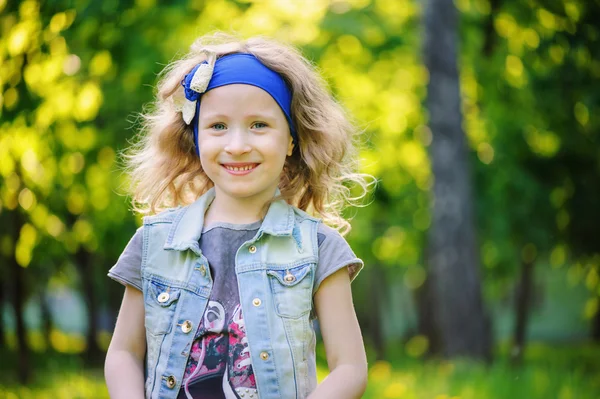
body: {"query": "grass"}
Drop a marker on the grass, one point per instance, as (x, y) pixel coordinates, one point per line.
(549, 371)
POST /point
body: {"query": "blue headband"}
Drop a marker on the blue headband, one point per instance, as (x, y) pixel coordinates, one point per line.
(237, 68)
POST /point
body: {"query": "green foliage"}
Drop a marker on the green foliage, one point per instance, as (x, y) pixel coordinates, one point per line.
(551, 371)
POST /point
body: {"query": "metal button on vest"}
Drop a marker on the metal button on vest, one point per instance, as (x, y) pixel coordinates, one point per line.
(264, 355)
(256, 302)
(163, 297)
(171, 382)
(252, 249)
(289, 277)
(203, 270)
(186, 327)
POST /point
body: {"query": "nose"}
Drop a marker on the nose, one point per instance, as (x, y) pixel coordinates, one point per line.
(238, 142)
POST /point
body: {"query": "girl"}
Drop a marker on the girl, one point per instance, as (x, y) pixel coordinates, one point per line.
(222, 290)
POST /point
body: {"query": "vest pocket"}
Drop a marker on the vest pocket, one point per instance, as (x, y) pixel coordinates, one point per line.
(292, 290)
(160, 302)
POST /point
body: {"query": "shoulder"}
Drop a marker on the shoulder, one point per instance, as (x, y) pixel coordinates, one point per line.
(302, 216)
(167, 216)
(330, 235)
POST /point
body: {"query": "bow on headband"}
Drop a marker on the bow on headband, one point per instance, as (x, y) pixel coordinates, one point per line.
(192, 86)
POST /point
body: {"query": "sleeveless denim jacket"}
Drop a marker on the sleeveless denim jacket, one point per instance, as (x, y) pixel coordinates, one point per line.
(275, 272)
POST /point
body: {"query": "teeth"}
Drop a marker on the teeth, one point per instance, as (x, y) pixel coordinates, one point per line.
(237, 169)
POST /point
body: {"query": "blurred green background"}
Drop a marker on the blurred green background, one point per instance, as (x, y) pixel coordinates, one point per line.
(74, 75)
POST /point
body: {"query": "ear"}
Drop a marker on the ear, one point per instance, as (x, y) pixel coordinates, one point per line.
(290, 147)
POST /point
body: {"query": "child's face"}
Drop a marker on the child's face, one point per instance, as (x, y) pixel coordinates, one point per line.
(241, 126)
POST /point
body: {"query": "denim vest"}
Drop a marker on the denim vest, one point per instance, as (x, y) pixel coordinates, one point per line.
(275, 272)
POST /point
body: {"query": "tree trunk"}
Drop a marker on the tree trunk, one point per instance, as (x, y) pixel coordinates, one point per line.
(451, 255)
(522, 306)
(426, 325)
(94, 354)
(2, 299)
(490, 37)
(18, 302)
(46, 319)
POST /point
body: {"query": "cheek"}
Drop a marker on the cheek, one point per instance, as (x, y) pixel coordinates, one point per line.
(208, 153)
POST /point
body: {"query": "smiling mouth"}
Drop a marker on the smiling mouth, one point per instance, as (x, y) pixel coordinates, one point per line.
(240, 168)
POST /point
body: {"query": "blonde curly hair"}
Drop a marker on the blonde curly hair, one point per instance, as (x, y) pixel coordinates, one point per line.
(318, 178)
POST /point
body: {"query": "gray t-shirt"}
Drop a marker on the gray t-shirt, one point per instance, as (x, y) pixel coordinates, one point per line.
(219, 363)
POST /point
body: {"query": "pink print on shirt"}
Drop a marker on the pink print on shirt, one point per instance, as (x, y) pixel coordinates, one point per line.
(221, 350)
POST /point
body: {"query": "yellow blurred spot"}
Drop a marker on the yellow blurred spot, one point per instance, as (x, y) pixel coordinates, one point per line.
(39, 216)
(514, 66)
(76, 162)
(106, 157)
(485, 153)
(532, 39)
(103, 338)
(2, 5)
(58, 47)
(88, 102)
(11, 97)
(101, 63)
(387, 247)
(145, 4)
(349, 45)
(490, 254)
(36, 341)
(83, 230)
(19, 39)
(558, 197)
(412, 154)
(395, 390)
(545, 144)
(557, 53)
(414, 277)
(30, 162)
(558, 256)
(505, 25)
(572, 11)
(592, 278)
(54, 226)
(483, 6)
(58, 22)
(29, 9)
(417, 346)
(463, 5)
(381, 371)
(374, 36)
(67, 343)
(26, 199)
(76, 200)
(582, 114)
(25, 245)
(546, 18)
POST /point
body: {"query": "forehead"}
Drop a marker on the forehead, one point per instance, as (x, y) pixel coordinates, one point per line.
(239, 98)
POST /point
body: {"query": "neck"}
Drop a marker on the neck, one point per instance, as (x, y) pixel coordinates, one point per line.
(227, 209)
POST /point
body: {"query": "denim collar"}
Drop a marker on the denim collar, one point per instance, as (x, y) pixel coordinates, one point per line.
(187, 227)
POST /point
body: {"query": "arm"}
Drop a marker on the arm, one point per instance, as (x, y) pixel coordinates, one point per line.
(123, 368)
(344, 346)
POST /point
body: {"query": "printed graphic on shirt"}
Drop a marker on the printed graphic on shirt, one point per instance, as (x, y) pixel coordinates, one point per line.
(220, 351)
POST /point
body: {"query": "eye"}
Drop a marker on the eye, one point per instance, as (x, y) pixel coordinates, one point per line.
(218, 126)
(259, 125)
